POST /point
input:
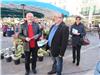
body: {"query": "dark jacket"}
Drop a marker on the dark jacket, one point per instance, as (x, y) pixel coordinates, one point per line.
(76, 39)
(24, 33)
(60, 40)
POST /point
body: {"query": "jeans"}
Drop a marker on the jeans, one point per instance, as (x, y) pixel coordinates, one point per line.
(57, 64)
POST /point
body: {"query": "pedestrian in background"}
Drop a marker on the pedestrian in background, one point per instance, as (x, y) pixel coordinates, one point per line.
(57, 42)
(30, 33)
(4, 29)
(99, 30)
(77, 32)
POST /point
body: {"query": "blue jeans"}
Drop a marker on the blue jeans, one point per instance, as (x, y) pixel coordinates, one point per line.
(57, 64)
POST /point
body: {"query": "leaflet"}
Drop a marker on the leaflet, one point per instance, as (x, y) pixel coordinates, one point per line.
(74, 31)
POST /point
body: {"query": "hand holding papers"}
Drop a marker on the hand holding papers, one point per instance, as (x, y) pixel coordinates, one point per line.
(75, 31)
(35, 37)
(42, 42)
(27, 39)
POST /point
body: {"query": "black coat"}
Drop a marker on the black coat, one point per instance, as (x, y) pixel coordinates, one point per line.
(60, 40)
(24, 33)
(76, 39)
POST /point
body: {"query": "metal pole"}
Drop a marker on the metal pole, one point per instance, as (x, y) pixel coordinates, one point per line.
(23, 6)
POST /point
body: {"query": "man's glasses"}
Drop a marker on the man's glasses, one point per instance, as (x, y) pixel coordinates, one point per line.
(60, 17)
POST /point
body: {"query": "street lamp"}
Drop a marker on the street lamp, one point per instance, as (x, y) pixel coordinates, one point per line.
(23, 6)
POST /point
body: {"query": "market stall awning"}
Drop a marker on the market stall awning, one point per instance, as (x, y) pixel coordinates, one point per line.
(13, 12)
(40, 5)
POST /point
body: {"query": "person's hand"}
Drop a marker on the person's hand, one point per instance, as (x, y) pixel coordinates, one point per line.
(60, 56)
(77, 34)
(27, 39)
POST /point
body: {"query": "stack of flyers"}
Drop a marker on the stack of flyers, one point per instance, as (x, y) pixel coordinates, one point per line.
(74, 31)
(42, 42)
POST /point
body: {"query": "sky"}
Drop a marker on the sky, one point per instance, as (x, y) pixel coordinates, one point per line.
(72, 5)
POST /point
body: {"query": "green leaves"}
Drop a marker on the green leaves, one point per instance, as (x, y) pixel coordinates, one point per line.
(42, 52)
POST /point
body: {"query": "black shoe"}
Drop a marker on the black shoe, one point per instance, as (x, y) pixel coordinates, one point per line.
(52, 72)
(27, 73)
(73, 61)
(77, 64)
(34, 71)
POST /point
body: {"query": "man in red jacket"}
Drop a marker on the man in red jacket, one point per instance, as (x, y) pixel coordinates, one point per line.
(30, 33)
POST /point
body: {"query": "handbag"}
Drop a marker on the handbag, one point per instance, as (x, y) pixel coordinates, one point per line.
(85, 41)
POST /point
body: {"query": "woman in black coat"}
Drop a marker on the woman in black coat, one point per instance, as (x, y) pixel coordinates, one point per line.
(77, 32)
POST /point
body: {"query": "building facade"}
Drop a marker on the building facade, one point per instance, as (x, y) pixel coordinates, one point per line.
(91, 10)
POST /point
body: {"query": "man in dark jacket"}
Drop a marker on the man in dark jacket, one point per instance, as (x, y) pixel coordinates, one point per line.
(30, 33)
(77, 32)
(57, 41)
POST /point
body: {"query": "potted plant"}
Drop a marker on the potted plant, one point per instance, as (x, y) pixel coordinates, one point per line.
(7, 57)
(1, 54)
(23, 56)
(18, 52)
(13, 50)
(45, 33)
(41, 54)
(40, 57)
(16, 59)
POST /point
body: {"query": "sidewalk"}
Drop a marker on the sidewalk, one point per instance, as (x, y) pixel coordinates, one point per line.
(89, 57)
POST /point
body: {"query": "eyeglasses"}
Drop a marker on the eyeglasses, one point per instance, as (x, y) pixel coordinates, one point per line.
(59, 17)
